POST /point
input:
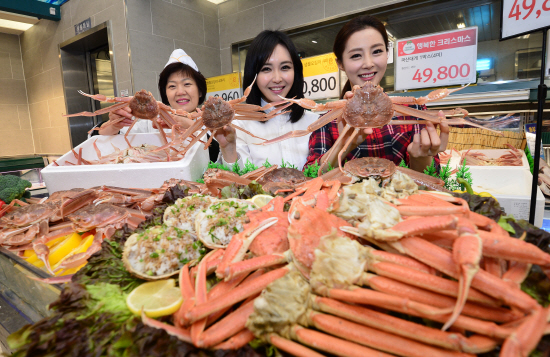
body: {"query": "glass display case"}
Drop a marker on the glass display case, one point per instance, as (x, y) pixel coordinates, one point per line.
(528, 62)
(28, 168)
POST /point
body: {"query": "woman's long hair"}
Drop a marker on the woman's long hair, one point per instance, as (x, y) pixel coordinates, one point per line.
(185, 70)
(358, 23)
(259, 52)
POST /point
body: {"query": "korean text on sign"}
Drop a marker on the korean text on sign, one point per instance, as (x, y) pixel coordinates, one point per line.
(441, 59)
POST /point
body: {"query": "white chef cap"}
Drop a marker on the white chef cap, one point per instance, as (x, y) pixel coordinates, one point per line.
(179, 55)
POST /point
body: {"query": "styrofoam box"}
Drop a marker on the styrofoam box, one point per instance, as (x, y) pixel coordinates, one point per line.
(490, 153)
(139, 175)
(512, 189)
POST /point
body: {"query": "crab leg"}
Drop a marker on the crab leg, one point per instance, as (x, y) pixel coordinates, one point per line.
(227, 327)
(332, 344)
(466, 254)
(445, 303)
(240, 340)
(291, 347)
(245, 131)
(178, 332)
(434, 95)
(394, 325)
(403, 305)
(441, 260)
(238, 294)
(327, 118)
(522, 341)
(104, 110)
(371, 337)
(239, 245)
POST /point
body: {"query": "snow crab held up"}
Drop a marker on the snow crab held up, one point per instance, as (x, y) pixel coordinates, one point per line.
(143, 105)
(217, 113)
(369, 107)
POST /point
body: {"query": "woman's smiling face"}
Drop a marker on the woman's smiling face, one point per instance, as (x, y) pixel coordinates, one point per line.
(365, 57)
(276, 75)
(182, 91)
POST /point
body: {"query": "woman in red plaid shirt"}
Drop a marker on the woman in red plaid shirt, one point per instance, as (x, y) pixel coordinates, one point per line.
(361, 49)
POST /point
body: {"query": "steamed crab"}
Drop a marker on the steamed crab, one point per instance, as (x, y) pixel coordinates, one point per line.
(369, 107)
(217, 113)
(143, 105)
(382, 170)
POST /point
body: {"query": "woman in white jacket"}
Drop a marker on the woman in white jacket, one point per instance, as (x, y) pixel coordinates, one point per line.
(273, 60)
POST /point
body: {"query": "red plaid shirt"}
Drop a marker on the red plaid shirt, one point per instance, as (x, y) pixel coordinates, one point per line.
(388, 142)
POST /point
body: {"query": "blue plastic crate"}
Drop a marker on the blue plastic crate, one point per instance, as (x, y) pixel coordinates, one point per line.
(546, 224)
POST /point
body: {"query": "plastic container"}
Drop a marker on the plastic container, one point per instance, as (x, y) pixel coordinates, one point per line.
(142, 175)
(511, 187)
(490, 153)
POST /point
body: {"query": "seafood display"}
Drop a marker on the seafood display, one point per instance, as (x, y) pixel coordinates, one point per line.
(358, 263)
(511, 157)
(369, 107)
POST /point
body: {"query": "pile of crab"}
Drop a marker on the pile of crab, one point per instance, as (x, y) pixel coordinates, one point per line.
(353, 268)
(99, 210)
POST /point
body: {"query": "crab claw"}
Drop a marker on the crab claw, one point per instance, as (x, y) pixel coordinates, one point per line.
(43, 253)
(467, 254)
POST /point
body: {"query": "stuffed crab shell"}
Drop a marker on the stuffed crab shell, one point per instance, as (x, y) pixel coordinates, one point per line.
(216, 225)
(160, 252)
(184, 211)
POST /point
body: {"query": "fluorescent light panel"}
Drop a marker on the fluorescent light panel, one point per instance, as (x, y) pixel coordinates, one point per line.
(483, 64)
(217, 1)
(15, 25)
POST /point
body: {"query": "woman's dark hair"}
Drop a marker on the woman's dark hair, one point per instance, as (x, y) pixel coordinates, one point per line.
(184, 69)
(259, 52)
(358, 23)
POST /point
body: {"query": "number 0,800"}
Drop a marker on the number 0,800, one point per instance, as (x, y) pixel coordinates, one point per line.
(320, 85)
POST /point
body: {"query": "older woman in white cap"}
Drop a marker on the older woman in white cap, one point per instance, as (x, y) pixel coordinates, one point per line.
(181, 86)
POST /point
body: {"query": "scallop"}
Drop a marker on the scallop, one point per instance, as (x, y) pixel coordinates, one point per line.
(219, 222)
(160, 252)
(184, 211)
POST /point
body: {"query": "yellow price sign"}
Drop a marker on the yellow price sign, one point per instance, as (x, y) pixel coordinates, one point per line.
(223, 83)
(321, 77)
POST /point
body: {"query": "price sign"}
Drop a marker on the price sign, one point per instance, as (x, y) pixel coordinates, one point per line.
(519, 17)
(441, 59)
(227, 86)
(321, 79)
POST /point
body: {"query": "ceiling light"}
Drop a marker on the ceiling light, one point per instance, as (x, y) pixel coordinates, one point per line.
(313, 41)
(217, 1)
(15, 25)
(461, 25)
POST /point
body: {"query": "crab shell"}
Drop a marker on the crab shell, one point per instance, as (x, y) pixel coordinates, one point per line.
(217, 113)
(144, 105)
(370, 167)
(369, 107)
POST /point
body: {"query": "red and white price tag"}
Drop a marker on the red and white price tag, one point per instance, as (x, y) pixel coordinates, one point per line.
(523, 16)
(436, 60)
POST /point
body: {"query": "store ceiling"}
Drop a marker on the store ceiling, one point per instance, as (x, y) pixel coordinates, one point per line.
(418, 19)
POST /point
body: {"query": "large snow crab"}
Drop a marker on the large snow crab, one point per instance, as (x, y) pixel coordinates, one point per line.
(217, 113)
(369, 107)
(143, 105)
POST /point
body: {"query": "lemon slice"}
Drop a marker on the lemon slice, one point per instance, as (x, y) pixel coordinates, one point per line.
(260, 200)
(157, 298)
